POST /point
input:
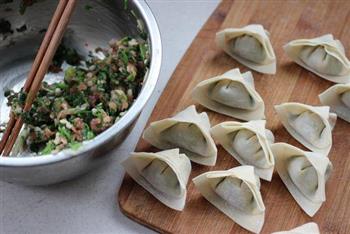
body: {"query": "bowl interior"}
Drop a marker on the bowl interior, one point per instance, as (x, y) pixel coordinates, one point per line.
(94, 24)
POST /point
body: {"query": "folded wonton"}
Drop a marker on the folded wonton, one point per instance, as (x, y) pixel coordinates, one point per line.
(188, 131)
(249, 143)
(310, 125)
(323, 56)
(164, 174)
(337, 98)
(308, 228)
(232, 94)
(250, 46)
(236, 193)
(304, 174)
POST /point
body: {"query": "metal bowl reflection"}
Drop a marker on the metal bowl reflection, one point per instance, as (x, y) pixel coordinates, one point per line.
(93, 24)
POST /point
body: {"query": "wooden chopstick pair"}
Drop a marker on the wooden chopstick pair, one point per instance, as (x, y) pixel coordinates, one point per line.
(39, 68)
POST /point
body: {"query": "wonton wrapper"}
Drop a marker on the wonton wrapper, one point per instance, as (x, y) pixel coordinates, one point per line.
(254, 107)
(307, 228)
(323, 56)
(223, 134)
(307, 192)
(314, 121)
(252, 220)
(179, 166)
(337, 98)
(158, 133)
(251, 47)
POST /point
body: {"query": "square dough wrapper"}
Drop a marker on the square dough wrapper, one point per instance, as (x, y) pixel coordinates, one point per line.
(307, 228)
(252, 41)
(253, 136)
(310, 125)
(204, 91)
(311, 199)
(321, 55)
(252, 222)
(154, 135)
(337, 98)
(179, 164)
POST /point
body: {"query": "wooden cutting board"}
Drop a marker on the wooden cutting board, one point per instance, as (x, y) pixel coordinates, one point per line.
(285, 20)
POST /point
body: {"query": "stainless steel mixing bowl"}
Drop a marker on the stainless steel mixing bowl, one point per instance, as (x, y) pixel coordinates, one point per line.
(94, 23)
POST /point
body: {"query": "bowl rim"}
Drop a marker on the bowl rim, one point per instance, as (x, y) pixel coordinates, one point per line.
(125, 120)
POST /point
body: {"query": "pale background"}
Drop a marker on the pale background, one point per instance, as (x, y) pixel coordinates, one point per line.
(87, 204)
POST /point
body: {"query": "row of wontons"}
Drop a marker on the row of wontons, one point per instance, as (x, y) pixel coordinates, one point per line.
(324, 56)
(236, 192)
(251, 46)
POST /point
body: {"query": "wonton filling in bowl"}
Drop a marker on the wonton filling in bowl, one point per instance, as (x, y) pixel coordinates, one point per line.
(90, 99)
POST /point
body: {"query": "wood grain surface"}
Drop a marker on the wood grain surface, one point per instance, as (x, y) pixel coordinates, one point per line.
(286, 21)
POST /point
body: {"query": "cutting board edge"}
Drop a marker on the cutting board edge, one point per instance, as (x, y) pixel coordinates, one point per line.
(129, 214)
(220, 10)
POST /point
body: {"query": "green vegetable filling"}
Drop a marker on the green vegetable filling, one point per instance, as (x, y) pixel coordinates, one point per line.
(88, 101)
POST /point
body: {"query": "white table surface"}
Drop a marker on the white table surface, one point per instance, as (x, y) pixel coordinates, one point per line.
(88, 204)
